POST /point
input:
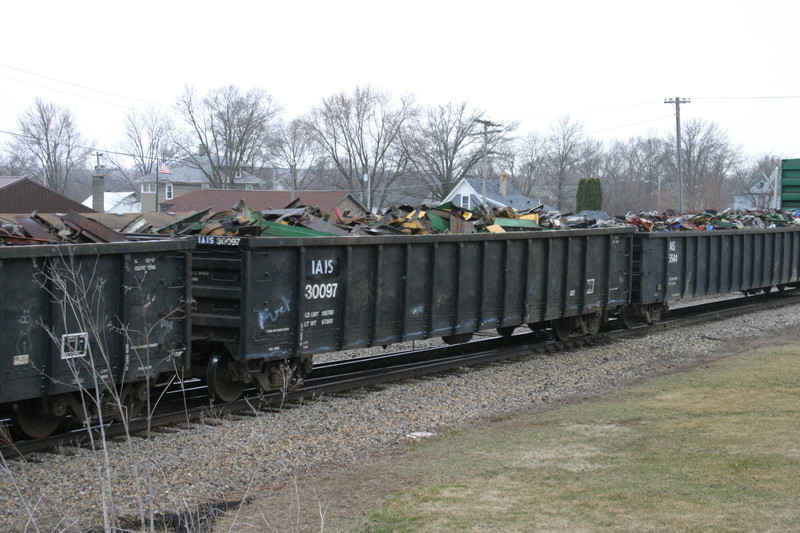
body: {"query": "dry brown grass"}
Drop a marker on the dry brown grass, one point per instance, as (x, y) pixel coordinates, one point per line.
(717, 448)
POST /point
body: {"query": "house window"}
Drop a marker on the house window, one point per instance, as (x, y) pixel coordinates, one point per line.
(148, 188)
(168, 193)
(248, 187)
(465, 201)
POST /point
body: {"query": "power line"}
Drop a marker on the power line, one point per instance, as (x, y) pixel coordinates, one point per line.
(76, 85)
(746, 97)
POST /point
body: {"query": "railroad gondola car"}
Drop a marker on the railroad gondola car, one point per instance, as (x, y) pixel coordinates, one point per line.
(673, 266)
(240, 310)
(265, 305)
(87, 330)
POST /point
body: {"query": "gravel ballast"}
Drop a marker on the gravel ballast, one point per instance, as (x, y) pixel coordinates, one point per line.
(229, 460)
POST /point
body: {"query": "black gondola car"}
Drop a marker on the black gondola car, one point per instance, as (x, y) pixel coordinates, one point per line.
(263, 302)
(673, 266)
(78, 322)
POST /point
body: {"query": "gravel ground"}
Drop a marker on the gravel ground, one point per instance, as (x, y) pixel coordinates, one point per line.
(228, 460)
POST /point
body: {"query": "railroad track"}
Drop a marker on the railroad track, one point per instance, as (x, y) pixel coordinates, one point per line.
(189, 403)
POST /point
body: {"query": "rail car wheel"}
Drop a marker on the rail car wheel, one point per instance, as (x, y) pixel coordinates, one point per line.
(34, 419)
(506, 331)
(133, 400)
(223, 378)
(562, 328)
(458, 338)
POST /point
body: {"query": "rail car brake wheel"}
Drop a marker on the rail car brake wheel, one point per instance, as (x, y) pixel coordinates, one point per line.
(34, 420)
(222, 378)
(562, 327)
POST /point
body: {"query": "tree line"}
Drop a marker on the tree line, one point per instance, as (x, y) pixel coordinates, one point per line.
(390, 149)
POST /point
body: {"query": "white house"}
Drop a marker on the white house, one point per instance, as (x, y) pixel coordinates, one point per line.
(468, 193)
(118, 202)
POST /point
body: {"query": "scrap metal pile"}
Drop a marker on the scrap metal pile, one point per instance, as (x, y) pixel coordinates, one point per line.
(306, 221)
(55, 229)
(714, 220)
(448, 218)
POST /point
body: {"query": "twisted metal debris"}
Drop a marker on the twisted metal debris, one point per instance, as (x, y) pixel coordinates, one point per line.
(309, 221)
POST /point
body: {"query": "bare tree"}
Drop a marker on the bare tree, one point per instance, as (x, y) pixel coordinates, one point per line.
(707, 159)
(10, 166)
(147, 139)
(228, 130)
(529, 161)
(565, 150)
(298, 153)
(445, 146)
(48, 145)
(636, 175)
(362, 135)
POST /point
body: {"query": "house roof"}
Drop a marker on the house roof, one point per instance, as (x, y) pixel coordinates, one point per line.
(23, 195)
(123, 202)
(512, 197)
(223, 200)
(182, 173)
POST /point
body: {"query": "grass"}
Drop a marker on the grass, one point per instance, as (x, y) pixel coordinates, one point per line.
(716, 448)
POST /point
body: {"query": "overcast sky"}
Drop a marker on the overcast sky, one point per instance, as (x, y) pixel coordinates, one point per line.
(607, 64)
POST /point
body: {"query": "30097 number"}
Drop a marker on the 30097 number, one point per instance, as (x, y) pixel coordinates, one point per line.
(318, 291)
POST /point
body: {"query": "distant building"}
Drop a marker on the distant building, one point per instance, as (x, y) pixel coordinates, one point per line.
(23, 195)
(223, 200)
(468, 193)
(118, 202)
(760, 196)
(182, 180)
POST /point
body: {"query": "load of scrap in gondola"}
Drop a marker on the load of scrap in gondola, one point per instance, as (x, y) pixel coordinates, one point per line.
(309, 221)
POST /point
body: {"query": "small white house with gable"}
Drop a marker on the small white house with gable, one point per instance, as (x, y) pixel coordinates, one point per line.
(468, 194)
(117, 202)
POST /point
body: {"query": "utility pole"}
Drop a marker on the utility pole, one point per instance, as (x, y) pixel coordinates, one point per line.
(486, 124)
(369, 192)
(98, 185)
(678, 101)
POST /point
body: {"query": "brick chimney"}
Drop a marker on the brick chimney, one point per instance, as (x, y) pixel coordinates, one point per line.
(98, 192)
(503, 180)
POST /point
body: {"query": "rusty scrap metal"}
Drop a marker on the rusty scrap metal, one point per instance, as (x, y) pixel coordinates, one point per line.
(305, 221)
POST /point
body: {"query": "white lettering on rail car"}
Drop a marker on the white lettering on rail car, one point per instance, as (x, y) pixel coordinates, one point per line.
(318, 291)
(322, 266)
(272, 314)
(220, 241)
(141, 265)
